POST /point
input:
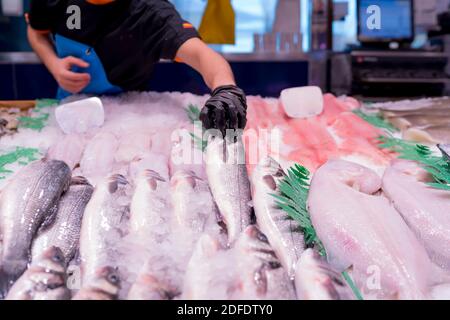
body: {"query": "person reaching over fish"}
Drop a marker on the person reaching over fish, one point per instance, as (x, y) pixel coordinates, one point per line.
(111, 46)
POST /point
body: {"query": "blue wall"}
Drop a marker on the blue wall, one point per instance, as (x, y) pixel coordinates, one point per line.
(32, 81)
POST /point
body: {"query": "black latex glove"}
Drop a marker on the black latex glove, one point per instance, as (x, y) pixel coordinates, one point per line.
(226, 109)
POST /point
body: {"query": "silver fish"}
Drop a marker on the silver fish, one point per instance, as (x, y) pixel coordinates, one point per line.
(149, 206)
(201, 275)
(283, 233)
(65, 231)
(193, 204)
(104, 285)
(315, 279)
(263, 277)
(28, 202)
(101, 228)
(228, 179)
(43, 280)
(149, 287)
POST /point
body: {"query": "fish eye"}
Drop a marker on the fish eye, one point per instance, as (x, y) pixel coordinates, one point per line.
(261, 237)
(57, 258)
(274, 265)
(113, 278)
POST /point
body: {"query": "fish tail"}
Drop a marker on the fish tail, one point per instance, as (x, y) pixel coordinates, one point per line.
(4, 284)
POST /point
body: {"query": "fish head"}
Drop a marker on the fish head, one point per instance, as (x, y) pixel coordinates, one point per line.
(185, 178)
(116, 183)
(80, 181)
(152, 178)
(155, 288)
(269, 166)
(267, 175)
(52, 259)
(255, 245)
(107, 280)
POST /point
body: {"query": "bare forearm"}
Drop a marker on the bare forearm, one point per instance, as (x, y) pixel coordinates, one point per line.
(212, 66)
(215, 70)
(43, 47)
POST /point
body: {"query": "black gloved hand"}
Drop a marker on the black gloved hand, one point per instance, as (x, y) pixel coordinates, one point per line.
(226, 109)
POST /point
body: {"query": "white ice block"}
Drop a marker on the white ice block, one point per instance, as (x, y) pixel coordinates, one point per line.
(302, 102)
(80, 116)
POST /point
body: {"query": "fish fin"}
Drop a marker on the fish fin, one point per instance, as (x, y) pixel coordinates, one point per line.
(79, 180)
(114, 181)
(5, 284)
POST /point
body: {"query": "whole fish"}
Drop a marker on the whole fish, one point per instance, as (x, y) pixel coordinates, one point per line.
(149, 207)
(43, 280)
(228, 179)
(201, 273)
(315, 279)
(149, 287)
(192, 204)
(262, 276)
(283, 233)
(101, 229)
(104, 285)
(65, 231)
(28, 202)
(98, 156)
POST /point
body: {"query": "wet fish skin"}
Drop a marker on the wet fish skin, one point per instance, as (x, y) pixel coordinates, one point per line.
(263, 277)
(315, 279)
(65, 231)
(104, 285)
(192, 202)
(43, 280)
(230, 186)
(197, 284)
(282, 232)
(28, 202)
(149, 206)
(101, 225)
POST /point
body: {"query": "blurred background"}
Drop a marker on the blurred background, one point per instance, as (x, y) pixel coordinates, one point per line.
(274, 44)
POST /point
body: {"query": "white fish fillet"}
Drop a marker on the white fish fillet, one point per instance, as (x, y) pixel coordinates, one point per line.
(425, 209)
(361, 229)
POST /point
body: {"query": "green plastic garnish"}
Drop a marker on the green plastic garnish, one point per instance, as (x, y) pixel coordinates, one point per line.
(40, 116)
(46, 103)
(35, 123)
(193, 113)
(22, 156)
(437, 167)
(376, 120)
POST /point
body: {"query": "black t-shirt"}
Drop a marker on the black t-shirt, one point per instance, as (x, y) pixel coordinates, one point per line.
(129, 36)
